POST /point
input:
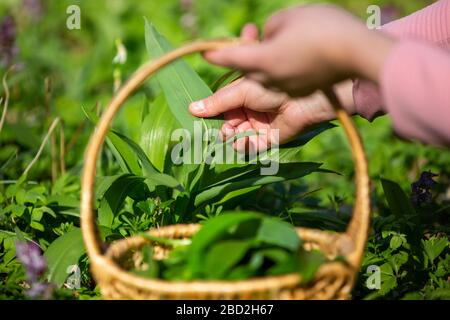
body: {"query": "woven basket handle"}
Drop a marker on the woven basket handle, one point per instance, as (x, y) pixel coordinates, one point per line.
(358, 227)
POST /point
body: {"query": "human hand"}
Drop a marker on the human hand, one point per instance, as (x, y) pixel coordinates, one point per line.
(308, 48)
(248, 106)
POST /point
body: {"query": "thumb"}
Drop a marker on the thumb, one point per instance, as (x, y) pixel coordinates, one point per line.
(226, 99)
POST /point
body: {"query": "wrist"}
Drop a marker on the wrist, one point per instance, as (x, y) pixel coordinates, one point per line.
(369, 55)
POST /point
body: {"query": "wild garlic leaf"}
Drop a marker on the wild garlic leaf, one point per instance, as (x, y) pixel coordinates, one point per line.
(286, 172)
(222, 256)
(179, 82)
(211, 232)
(397, 199)
(115, 195)
(63, 253)
(156, 131)
(278, 233)
(308, 264)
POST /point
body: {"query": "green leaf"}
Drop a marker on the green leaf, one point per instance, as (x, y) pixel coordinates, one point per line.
(388, 279)
(174, 243)
(236, 194)
(161, 179)
(286, 172)
(36, 225)
(397, 241)
(126, 158)
(222, 256)
(397, 199)
(147, 166)
(63, 253)
(115, 195)
(18, 209)
(322, 219)
(36, 215)
(398, 260)
(156, 132)
(278, 233)
(434, 247)
(213, 230)
(309, 263)
(45, 209)
(124, 154)
(179, 82)
(181, 85)
(102, 184)
(291, 151)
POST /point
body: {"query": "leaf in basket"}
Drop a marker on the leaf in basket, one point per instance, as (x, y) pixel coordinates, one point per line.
(288, 265)
(63, 253)
(240, 273)
(278, 233)
(175, 266)
(308, 264)
(151, 268)
(275, 255)
(214, 230)
(222, 256)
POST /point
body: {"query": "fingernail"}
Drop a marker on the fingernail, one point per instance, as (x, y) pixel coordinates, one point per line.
(198, 107)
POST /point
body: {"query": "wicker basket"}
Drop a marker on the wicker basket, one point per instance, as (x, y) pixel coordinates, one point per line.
(334, 280)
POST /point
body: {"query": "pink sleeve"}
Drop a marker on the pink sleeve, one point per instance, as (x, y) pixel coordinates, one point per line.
(415, 85)
(431, 24)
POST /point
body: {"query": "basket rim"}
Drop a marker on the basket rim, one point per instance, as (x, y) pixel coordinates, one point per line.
(254, 284)
(110, 270)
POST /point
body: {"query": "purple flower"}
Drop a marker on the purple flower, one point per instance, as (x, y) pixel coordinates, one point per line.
(8, 49)
(29, 254)
(421, 189)
(41, 290)
(35, 264)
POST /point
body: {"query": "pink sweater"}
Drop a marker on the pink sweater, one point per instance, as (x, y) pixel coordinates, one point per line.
(414, 86)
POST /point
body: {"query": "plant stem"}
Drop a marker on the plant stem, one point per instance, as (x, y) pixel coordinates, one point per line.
(53, 158)
(6, 100)
(41, 148)
(62, 149)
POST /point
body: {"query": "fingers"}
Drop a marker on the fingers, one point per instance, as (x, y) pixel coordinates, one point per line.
(249, 32)
(228, 98)
(233, 119)
(260, 122)
(246, 57)
(244, 120)
(274, 23)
